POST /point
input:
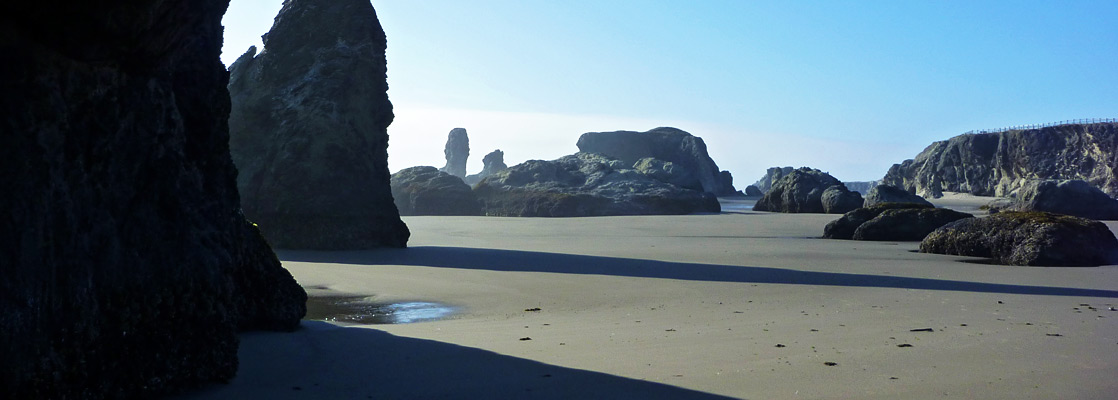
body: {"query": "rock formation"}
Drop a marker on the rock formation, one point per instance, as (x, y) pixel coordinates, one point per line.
(996, 164)
(492, 163)
(1027, 238)
(585, 184)
(309, 129)
(861, 186)
(668, 144)
(753, 191)
(457, 151)
(428, 191)
(902, 222)
(772, 175)
(1069, 197)
(892, 194)
(127, 267)
(801, 191)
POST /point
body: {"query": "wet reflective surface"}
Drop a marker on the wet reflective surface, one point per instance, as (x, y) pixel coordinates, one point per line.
(363, 310)
(737, 205)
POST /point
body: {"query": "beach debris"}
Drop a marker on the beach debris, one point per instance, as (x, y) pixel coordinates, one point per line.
(533, 309)
(780, 345)
(669, 330)
(830, 364)
(525, 338)
(893, 377)
(904, 345)
(1053, 334)
(922, 330)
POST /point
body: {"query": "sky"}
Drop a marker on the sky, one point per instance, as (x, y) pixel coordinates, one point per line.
(849, 87)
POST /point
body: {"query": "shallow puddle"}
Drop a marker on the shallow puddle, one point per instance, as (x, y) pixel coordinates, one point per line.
(362, 310)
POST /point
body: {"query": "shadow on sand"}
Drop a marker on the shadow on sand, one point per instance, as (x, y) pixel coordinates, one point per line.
(324, 361)
(526, 261)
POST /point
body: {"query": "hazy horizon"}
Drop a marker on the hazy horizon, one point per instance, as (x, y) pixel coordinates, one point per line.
(850, 88)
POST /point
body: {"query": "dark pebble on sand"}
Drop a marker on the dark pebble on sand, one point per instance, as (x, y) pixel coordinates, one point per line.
(780, 345)
(1053, 334)
(922, 330)
(904, 345)
(830, 364)
(533, 309)
(525, 338)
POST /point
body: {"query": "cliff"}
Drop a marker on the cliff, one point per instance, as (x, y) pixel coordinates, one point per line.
(996, 164)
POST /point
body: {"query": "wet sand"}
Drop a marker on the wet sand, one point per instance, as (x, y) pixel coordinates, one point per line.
(743, 305)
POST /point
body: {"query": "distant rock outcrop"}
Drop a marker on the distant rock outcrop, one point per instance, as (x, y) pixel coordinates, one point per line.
(126, 267)
(844, 227)
(892, 194)
(492, 163)
(1027, 238)
(753, 191)
(428, 191)
(996, 164)
(1069, 197)
(801, 191)
(308, 129)
(457, 151)
(668, 144)
(772, 175)
(862, 187)
(585, 184)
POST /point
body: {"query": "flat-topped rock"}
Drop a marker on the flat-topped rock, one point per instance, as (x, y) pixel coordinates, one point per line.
(682, 149)
(429, 191)
(892, 194)
(1027, 238)
(801, 191)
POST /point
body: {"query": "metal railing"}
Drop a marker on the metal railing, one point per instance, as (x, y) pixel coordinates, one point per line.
(1038, 126)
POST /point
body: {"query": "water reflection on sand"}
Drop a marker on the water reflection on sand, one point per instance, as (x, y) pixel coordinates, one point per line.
(363, 310)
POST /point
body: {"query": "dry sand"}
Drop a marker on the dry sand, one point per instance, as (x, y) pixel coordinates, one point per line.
(742, 304)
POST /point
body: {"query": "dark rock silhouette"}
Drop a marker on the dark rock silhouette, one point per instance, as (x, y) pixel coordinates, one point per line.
(1069, 197)
(428, 191)
(492, 163)
(309, 129)
(996, 164)
(801, 191)
(1027, 238)
(127, 266)
(668, 144)
(892, 194)
(753, 191)
(906, 224)
(844, 227)
(585, 184)
(669, 172)
(457, 151)
(772, 175)
(838, 200)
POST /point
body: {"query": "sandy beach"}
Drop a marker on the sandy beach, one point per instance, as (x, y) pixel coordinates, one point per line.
(740, 304)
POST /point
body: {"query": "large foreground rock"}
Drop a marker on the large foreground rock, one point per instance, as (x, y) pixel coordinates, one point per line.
(1027, 238)
(126, 267)
(668, 144)
(457, 152)
(892, 194)
(906, 224)
(996, 164)
(1069, 197)
(429, 191)
(309, 129)
(845, 226)
(585, 184)
(801, 191)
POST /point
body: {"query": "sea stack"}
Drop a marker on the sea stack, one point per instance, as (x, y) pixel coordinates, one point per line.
(682, 149)
(127, 266)
(492, 163)
(308, 129)
(457, 151)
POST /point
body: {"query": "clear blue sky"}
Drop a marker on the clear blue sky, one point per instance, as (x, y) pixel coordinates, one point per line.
(847, 87)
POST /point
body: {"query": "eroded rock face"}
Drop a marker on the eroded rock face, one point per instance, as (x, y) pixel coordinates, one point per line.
(309, 129)
(906, 224)
(492, 163)
(1027, 238)
(429, 191)
(753, 191)
(1069, 197)
(772, 175)
(585, 184)
(845, 226)
(801, 191)
(892, 194)
(996, 164)
(457, 151)
(839, 200)
(668, 144)
(127, 265)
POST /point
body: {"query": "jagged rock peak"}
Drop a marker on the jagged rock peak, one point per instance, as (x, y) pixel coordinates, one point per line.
(457, 151)
(668, 144)
(308, 129)
(772, 175)
(996, 164)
